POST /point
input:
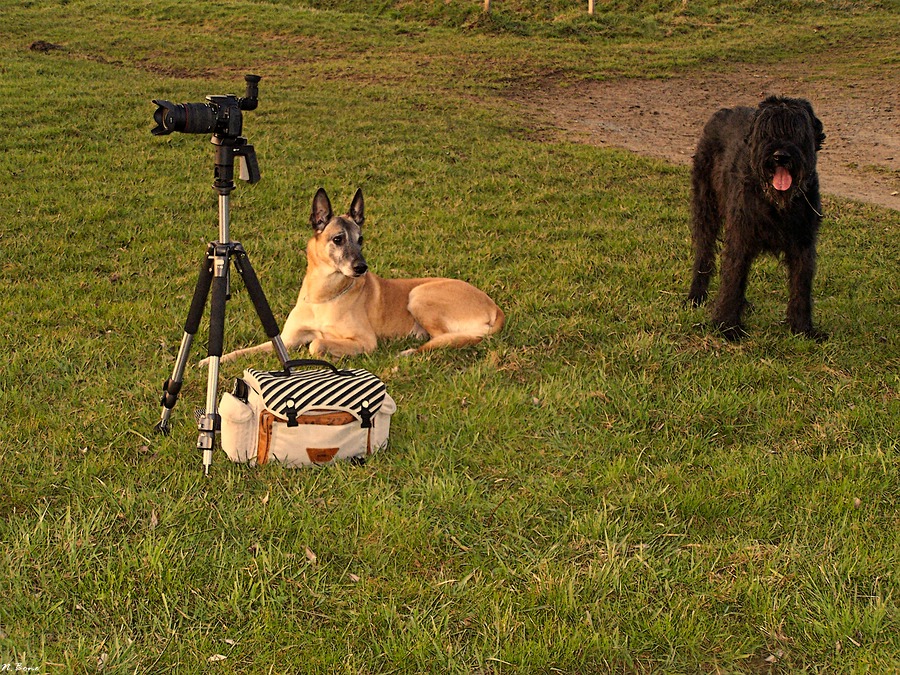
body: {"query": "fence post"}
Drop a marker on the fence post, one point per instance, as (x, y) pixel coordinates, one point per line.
(590, 6)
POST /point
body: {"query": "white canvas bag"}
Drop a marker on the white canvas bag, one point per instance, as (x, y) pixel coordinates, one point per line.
(307, 417)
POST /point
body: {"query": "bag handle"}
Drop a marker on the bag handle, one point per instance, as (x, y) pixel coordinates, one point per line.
(297, 363)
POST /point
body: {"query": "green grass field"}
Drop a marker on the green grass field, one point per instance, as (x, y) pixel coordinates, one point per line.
(606, 486)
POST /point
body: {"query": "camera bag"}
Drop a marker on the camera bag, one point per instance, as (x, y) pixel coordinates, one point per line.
(305, 417)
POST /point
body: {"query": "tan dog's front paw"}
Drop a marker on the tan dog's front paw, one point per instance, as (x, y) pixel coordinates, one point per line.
(317, 348)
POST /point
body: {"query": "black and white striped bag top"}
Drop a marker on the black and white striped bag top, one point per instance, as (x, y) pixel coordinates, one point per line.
(288, 393)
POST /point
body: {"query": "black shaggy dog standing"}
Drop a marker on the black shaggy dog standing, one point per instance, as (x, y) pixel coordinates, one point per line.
(755, 174)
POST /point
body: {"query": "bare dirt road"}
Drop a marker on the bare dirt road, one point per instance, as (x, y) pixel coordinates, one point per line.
(663, 118)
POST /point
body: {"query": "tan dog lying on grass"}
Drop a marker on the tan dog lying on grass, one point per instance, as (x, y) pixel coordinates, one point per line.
(343, 309)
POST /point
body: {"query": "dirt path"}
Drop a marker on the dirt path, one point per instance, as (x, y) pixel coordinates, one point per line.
(663, 118)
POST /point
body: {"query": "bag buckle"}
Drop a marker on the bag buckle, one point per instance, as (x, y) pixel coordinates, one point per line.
(365, 415)
(291, 413)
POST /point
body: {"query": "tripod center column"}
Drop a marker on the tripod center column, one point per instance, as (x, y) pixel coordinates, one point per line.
(224, 218)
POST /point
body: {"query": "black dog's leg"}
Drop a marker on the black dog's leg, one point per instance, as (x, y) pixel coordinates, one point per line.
(801, 266)
(729, 307)
(705, 226)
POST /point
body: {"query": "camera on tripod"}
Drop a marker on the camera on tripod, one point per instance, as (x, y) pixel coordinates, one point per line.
(221, 116)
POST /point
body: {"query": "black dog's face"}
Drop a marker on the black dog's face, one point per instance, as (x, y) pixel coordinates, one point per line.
(783, 141)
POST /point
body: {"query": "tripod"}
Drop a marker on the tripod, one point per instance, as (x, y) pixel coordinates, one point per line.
(214, 277)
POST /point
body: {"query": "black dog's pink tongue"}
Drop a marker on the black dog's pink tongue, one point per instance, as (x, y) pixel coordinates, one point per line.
(782, 179)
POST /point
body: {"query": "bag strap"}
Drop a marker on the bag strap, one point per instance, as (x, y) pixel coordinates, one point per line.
(298, 363)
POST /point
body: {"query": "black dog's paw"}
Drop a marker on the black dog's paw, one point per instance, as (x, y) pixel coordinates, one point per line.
(805, 328)
(696, 297)
(814, 334)
(698, 291)
(695, 300)
(732, 332)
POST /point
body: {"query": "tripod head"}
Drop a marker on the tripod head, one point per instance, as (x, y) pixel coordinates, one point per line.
(222, 117)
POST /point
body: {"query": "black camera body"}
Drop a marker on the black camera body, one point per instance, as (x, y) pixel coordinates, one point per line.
(221, 116)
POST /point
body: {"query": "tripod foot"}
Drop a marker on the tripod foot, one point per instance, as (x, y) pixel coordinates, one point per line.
(163, 427)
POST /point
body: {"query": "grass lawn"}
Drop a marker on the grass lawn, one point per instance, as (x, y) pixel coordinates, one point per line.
(606, 486)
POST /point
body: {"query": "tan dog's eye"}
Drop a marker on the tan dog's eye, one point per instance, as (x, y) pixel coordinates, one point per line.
(338, 240)
(359, 241)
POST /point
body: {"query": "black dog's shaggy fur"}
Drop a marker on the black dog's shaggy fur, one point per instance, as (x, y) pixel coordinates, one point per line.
(755, 173)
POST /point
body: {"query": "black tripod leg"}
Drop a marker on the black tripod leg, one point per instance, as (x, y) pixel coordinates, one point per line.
(172, 386)
(209, 422)
(254, 288)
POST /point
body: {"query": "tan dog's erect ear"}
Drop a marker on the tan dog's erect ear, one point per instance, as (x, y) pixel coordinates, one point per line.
(357, 212)
(321, 211)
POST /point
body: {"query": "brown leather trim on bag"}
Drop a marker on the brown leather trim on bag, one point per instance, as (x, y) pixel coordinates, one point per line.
(332, 419)
(266, 420)
(321, 455)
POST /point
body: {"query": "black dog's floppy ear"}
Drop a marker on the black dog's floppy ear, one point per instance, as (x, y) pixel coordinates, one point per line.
(820, 133)
(321, 211)
(357, 210)
(818, 129)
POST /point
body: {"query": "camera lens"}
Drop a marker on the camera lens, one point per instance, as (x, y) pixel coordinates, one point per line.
(188, 118)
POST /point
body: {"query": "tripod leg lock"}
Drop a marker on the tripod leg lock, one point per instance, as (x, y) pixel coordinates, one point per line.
(210, 423)
(170, 393)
